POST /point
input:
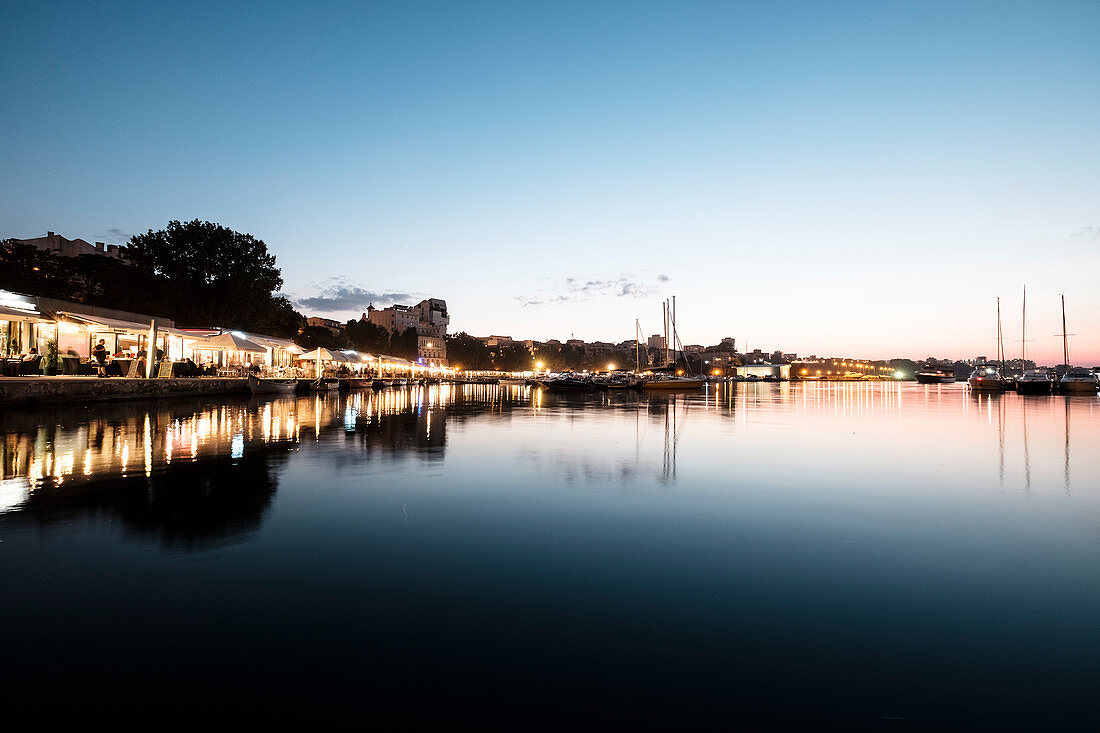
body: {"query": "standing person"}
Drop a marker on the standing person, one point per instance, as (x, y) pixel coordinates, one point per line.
(99, 353)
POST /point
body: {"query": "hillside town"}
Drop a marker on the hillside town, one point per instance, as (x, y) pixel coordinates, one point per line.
(44, 333)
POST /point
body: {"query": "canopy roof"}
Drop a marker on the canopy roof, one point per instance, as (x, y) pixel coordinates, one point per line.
(230, 341)
(116, 325)
(15, 314)
(323, 354)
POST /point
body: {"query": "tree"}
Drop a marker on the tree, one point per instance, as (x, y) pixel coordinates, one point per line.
(467, 352)
(27, 269)
(514, 358)
(312, 337)
(369, 337)
(405, 345)
(216, 276)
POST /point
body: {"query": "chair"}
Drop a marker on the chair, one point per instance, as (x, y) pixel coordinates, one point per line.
(70, 365)
(30, 366)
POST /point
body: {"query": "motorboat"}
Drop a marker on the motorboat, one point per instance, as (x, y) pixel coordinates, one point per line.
(624, 380)
(670, 382)
(382, 383)
(324, 384)
(1035, 381)
(933, 373)
(1078, 380)
(986, 379)
(510, 382)
(260, 385)
(565, 383)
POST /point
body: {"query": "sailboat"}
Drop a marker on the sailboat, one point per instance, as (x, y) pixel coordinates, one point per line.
(985, 377)
(1033, 381)
(1076, 380)
(667, 382)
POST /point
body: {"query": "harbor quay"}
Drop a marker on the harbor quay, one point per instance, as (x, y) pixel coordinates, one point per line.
(70, 389)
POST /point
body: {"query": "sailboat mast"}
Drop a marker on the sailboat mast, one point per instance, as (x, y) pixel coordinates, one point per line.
(1023, 336)
(664, 315)
(1065, 338)
(1000, 342)
(637, 346)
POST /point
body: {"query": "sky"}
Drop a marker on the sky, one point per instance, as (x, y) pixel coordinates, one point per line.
(842, 179)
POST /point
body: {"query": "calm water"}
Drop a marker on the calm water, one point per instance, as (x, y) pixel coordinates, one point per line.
(877, 555)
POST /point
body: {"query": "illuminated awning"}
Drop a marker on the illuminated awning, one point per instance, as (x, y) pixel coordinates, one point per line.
(323, 354)
(112, 325)
(18, 314)
(230, 341)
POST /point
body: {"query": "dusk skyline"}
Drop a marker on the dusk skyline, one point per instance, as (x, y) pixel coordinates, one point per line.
(861, 179)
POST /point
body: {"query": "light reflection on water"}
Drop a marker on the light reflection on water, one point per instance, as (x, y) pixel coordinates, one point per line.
(868, 549)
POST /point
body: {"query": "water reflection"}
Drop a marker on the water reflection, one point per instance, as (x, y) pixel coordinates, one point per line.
(206, 470)
(52, 455)
(865, 550)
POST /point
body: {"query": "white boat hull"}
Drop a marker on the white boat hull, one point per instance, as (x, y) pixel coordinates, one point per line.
(987, 385)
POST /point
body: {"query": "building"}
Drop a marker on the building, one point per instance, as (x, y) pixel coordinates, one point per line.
(395, 319)
(764, 371)
(656, 341)
(335, 327)
(598, 348)
(429, 318)
(64, 247)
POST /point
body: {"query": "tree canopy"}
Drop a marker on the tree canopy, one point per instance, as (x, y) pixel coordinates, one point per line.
(197, 273)
(213, 275)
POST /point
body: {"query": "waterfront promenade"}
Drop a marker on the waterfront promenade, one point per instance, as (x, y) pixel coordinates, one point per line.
(36, 389)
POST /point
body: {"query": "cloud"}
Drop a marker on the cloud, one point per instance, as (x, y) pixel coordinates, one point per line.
(114, 236)
(573, 289)
(1089, 233)
(340, 294)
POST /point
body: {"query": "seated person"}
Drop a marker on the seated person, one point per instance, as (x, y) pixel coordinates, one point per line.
(31, 355)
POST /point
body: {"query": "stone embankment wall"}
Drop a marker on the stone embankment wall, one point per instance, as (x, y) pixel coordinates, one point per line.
(31, 390)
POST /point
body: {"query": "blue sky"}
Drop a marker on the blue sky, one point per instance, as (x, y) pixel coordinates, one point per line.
(834, 178)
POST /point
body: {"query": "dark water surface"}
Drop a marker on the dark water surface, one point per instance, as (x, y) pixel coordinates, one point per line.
(870, 555)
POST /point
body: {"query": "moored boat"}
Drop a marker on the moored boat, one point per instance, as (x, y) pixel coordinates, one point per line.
(565, 383)
(933, 373)
(259, 385)
(673, 383)
(1078, 380)
(324, 384)
(1035, 381)
(986, 379)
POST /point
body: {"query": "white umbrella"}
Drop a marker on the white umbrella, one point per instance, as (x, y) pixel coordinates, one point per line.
(230, 341)
(323, 354)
